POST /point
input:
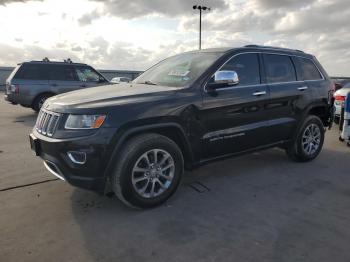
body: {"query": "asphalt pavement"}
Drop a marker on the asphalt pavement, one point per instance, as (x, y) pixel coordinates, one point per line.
(257, 207)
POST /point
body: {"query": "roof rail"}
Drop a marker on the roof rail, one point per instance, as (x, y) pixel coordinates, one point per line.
(274, 47)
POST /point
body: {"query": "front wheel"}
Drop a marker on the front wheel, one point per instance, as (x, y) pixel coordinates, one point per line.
(148, 171)
(308, 141)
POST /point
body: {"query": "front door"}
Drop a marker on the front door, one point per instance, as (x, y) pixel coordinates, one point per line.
(234, 117)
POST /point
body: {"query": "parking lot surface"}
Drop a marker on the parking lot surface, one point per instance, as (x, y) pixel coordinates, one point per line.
(258, 207)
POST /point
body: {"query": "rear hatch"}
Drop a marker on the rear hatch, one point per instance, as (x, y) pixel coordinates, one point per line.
(10, 88)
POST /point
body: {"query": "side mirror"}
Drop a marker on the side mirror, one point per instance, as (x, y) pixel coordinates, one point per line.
(223, 79)
(226, 77)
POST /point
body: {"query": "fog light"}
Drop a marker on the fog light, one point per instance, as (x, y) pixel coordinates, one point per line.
(77, 157)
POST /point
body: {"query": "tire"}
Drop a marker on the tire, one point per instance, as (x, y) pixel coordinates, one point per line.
(132, 174)
(308, 142)
(336, 120)
(39, 101)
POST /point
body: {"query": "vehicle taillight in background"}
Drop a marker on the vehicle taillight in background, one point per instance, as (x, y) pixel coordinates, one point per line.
(14, 89)
(340, 98)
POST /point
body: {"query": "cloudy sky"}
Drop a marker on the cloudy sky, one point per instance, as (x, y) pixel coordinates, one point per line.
(134, 34)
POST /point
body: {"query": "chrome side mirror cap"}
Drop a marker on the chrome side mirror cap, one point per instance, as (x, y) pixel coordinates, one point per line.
(226, 77)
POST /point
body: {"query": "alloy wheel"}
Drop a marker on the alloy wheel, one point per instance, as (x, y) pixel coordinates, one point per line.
(311, 139)
(153, 173)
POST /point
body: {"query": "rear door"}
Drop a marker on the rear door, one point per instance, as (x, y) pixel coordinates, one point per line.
(234, 117)
(288, 96)
(63, 78)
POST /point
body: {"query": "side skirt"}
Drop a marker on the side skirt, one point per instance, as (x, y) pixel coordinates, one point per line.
(221, 157)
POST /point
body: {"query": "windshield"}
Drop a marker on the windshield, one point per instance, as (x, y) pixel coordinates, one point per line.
(178, 71)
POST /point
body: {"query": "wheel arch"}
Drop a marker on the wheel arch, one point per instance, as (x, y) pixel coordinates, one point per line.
(321, 111)
(172, 131)
(41, 94)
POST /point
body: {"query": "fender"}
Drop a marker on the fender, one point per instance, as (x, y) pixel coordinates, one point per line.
(121, 139)
(305, 113)
(327, 112)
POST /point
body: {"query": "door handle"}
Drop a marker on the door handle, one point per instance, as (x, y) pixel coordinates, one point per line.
(302, 88)
(259, 93)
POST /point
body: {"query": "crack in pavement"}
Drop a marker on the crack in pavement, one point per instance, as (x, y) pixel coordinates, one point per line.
(27, 185)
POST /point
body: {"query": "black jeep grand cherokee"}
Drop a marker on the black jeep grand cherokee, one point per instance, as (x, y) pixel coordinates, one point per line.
(137, 138)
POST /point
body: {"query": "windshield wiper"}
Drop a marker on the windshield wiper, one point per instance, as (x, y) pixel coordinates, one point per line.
(148, 82)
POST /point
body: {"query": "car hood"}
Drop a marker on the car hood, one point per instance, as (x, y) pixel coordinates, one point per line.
(107, 95)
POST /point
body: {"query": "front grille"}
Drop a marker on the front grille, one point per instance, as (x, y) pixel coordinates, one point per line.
(47, 122)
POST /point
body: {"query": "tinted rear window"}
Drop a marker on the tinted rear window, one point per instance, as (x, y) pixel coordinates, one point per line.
(306, 69)
(279, 69)
(33, 72)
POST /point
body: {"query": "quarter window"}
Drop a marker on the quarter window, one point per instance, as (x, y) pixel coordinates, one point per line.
(279, 69)
(33, 72)
(307, 70)
(247, 68)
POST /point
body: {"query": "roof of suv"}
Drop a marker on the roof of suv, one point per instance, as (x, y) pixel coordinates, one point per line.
(257, 48)
(52, 63)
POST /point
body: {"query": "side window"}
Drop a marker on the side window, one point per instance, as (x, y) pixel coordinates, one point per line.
(87, 74)
(33, 72)
(247, 68)
(279, 69)
(307, 70)
(62, 73)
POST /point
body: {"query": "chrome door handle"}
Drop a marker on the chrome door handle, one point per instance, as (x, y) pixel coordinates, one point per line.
(302, 88)
(259, 93)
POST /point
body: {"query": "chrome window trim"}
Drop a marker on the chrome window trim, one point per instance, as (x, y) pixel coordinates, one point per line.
(277, 83)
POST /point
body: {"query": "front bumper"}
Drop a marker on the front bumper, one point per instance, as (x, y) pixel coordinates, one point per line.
(88, 175)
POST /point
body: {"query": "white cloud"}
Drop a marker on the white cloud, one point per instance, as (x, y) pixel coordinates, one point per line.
(135, 34)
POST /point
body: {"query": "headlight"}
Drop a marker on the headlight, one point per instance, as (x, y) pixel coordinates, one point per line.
(84, 121)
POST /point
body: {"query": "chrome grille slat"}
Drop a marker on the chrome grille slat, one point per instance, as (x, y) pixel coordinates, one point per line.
(47, 122)
(45, 125)
(41, 121)
(49, 125)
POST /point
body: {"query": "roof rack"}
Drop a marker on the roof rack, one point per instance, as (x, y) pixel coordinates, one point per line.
(46, 60)
(273, 47)
(68, 60)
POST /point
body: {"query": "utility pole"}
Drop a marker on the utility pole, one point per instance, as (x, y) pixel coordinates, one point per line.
(200, 8)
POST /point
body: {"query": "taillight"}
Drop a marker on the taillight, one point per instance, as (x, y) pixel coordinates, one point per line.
(339, 98)
(14, 89)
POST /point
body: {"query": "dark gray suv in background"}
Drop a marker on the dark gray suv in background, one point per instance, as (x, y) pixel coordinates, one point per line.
(31, 83)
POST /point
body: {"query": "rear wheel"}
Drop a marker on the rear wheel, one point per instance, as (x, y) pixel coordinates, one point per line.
(148, 171)
(309, 140)
(39, 101)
